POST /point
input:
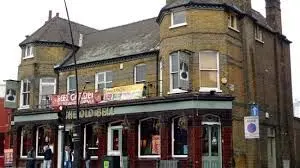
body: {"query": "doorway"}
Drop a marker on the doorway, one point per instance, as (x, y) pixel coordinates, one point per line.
(211, 145)
(117, 143)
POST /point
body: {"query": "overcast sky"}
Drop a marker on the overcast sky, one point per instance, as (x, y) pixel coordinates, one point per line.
(22, 17)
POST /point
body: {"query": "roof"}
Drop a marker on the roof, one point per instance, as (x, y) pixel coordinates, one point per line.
(57, 30)
(131, 39)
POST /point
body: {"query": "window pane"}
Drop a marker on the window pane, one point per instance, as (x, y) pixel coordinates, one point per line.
(72, 83)
(47, 89)
(26, 142)
(109, 85)
(115, 140)
(101, 77)
(180, 136)
(208, 60)
(109, 76)
(174, 62)
(208, 79)
(178, 17)
(101, 86)
(150, 137)
(140, 72)
(41, 141)
(214, 141)
(175, 80)
(25, 99)
(91, 140)
(205, 141)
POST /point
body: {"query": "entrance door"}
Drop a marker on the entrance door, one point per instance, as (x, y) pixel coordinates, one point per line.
(117, 144)
(211, 154)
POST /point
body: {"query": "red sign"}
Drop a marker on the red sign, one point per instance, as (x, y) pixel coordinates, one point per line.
(70, 99)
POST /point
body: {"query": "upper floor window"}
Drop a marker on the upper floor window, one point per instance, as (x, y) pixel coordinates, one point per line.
(28, 51)
(178, 19)
(47, 88)
(140, 73)
(103, 80)
(71, 83)
(179, 71)
(258, 33)
(232, 21)
(209, 70)
(25, 94)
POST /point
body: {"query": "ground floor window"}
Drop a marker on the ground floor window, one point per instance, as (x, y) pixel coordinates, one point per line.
(149, 138)
(26, 142)
(42, 140)
(179, 134)
(91, 139)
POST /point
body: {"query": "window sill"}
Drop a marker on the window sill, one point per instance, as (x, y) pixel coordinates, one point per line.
(149, 157)
(176, 91)
(27, 57)
(179, 156)
(210, 89)
(94, 157)
(234, 29)
(178, 25)
(259, 40)
(24, 107)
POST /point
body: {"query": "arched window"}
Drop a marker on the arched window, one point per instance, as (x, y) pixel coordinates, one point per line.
(149, 138)
(26, 139)
(179, 135)
(43, 139)
(91, 140)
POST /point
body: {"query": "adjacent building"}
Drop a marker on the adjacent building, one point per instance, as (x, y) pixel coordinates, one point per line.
(171, 90)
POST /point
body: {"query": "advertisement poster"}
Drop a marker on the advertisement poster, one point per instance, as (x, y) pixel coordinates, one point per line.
(70, 99)
(11, 89)
(124, 92)
(251, 127)
(156, 144)
(8, 157)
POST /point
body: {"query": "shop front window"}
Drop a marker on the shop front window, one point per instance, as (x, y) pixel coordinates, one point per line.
(179, 134)
(149, 138)
(25, 142)
(42, 139)
(91, 139)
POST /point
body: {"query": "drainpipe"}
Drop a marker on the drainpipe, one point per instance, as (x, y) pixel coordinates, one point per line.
(157, 74)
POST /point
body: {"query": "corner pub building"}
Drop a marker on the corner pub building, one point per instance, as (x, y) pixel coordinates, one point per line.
(170, 91)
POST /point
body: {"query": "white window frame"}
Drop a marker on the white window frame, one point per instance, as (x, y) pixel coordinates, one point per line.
(258, 34)
(135, 75)
(30, 55)
(139, 141)
(179, 24)
(173, 139)
(22, 145)
(68, 83)
(21, 94)
(110, 151)
(37, 143)
(207, 89)
(233, 20)
(84, 142)
(160, 78)
(176, 90)
(104, 82)
(47, 84)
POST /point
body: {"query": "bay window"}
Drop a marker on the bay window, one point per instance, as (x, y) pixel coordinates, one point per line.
(47, 88)
(149, 138)
(209, 71)
(179, 72)
(179, 135)
(25, 94)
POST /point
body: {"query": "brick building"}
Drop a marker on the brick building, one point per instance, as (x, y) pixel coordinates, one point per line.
(167, 90)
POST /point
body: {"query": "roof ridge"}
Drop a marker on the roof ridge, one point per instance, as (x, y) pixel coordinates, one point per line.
(72, 22)
(124, 25)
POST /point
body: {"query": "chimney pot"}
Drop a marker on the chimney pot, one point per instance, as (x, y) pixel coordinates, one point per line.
(57, 14)
(26, 36)
(50, 15)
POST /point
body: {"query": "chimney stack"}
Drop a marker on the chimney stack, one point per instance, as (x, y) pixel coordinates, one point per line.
(50, 15)
(273, 14)
(57, 14)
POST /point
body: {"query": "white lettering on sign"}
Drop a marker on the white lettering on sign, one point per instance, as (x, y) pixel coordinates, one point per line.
(88, 113)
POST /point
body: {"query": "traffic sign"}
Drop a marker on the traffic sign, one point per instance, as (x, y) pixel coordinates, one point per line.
(254, 110)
